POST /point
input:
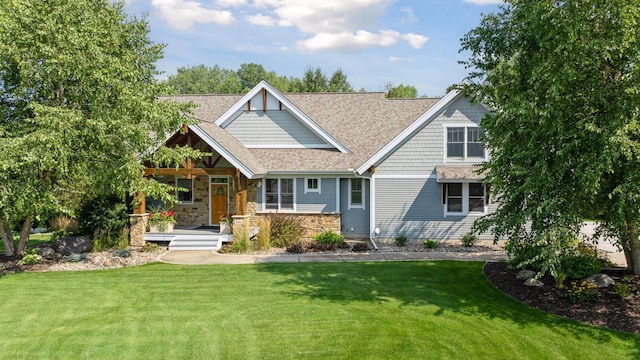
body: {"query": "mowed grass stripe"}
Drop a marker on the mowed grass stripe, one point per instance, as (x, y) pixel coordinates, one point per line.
(390, 310)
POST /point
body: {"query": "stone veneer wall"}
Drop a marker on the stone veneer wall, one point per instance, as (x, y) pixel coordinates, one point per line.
(137, 228)
(312, 223)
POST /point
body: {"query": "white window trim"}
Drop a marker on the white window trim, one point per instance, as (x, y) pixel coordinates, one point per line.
(308, 190)
(465, 158)
(361, 206)
(192, 191)
(465, 202)
(279, 209)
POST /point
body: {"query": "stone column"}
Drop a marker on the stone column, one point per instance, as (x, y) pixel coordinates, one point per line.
(241, 225)
(137, 228)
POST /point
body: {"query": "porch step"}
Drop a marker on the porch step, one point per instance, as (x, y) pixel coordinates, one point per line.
(186, 242)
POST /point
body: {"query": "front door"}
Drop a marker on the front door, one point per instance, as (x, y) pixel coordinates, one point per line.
(219, 201)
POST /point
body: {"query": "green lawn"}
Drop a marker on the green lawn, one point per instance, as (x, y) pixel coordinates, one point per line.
(390, 310)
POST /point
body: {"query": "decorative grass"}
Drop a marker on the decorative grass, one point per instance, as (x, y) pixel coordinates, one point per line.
(385, 310)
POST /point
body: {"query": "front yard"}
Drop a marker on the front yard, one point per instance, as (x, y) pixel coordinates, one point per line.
(403, 310)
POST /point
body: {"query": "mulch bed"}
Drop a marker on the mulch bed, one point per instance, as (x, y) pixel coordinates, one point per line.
(11, 264)
(608, 310)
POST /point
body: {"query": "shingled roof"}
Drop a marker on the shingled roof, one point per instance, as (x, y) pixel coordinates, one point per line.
(362, 122)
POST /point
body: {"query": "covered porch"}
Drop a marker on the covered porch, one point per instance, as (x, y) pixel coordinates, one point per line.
(217, 187)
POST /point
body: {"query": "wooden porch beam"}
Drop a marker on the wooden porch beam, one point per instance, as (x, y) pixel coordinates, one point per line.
(193, 171)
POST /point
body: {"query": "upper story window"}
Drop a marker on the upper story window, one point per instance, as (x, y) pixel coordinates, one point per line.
(184, 197)
(279, 194)
(464, 142)
(311, 185)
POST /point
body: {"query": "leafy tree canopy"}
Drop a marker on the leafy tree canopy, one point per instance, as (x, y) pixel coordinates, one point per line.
(564, 80)
(78, 104)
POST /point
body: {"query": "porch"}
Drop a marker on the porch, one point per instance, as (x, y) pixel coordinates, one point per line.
(194, 238)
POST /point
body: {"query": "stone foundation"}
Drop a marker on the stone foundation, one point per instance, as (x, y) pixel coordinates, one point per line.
(137, 228)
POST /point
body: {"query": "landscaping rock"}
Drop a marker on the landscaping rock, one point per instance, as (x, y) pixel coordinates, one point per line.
(46, 251)
(533, 282)
(525, 275)
(72, 245)
(600, 280)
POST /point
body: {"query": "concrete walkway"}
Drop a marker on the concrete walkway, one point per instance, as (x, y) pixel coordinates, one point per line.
(210, 257)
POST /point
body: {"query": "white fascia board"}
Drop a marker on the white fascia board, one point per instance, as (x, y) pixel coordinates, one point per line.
(312, 125)
(222, 151)
(411, 129)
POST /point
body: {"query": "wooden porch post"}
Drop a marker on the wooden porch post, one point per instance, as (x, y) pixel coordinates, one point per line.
(241, 194)
(141, 208)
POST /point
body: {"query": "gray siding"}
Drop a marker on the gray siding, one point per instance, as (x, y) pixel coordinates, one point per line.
(414, 207)
(324, 202)
(316, 202)
(356, 219)
(271, 128)
(422, 152)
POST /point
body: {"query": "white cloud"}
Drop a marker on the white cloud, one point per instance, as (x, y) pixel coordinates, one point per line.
(484, 2)
(409, 16)
(416, 41)
(182, 14)
(337, 24)
(231, 3)
(347, 41)
(260, 19)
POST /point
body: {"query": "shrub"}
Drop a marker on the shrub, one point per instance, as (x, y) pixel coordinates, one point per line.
(123, 253)
(360, 247)
(329, 238)
(580, 265)
(63, 223)
(297, 248)
(2, 267)
(104, 240)
(559, 279)
(285, 230)
(31, 258)
(104, 212)
(149, 247)
(402, 240)
(430, 244)
(263, 239)
(581, 292)
(77, 257)
(623, 290)
(241, 242)
(468, 240)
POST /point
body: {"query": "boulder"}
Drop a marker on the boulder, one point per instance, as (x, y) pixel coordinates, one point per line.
(600, 280)
(525, 275)
(48, 253)
(533, 282)
(72, 245)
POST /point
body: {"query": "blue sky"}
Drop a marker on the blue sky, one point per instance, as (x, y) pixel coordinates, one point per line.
(372, 41)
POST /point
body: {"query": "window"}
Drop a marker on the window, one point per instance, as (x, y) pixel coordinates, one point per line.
(464, 198)
(311, 185)
(182, 196)
(464, 142)
(356, 193)
(279, 194)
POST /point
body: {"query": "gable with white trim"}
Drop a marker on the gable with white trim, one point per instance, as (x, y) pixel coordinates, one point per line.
(265, 118)
(420, 153)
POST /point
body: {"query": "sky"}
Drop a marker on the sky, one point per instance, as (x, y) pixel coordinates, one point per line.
(373, 41)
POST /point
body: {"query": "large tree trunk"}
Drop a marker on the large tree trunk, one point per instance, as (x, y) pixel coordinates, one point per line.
(24, 235)
(631, 247)
(7, 239)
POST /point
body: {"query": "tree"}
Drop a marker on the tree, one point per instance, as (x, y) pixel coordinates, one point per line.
(564, 80)
(78, 103)
(250, 75)
(339, 83)
(201, 79)
(401, 91)
(314, 81)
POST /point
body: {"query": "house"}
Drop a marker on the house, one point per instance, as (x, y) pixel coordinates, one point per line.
(355, 163)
